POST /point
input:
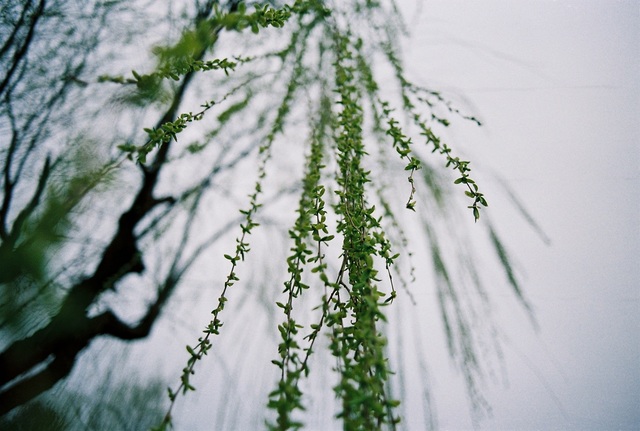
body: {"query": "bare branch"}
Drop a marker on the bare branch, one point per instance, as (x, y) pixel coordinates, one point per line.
(22, 50)
(33, 203)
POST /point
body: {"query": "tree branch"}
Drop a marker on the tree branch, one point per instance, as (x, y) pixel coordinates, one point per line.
(33, 203)
(33, 386)
(21, 52)
(70, 330)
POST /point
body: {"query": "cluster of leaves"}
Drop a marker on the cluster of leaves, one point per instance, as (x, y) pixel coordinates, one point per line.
(356, 340)
(410, 90)
(173, 71)
(309, 228)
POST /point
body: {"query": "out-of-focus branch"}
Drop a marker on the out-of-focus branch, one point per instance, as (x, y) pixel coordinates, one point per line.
(56, 346)
(7, 246)
(33, 203)
(22, 50)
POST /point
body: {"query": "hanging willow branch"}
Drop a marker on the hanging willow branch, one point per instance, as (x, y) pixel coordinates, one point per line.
(329, 62)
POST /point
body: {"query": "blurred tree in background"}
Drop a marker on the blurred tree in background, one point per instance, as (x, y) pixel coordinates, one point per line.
(117, 186)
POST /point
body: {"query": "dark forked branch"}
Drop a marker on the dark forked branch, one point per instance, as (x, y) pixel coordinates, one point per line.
(32, 365)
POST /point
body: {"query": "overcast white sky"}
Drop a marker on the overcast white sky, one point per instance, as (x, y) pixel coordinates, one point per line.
(556, 85)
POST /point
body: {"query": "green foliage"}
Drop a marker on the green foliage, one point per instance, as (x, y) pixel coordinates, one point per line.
(356, 340)
(305, 80)
(347, 241)
(352, 309)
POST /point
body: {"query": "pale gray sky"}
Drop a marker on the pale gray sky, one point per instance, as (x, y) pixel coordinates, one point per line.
(556, 85)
